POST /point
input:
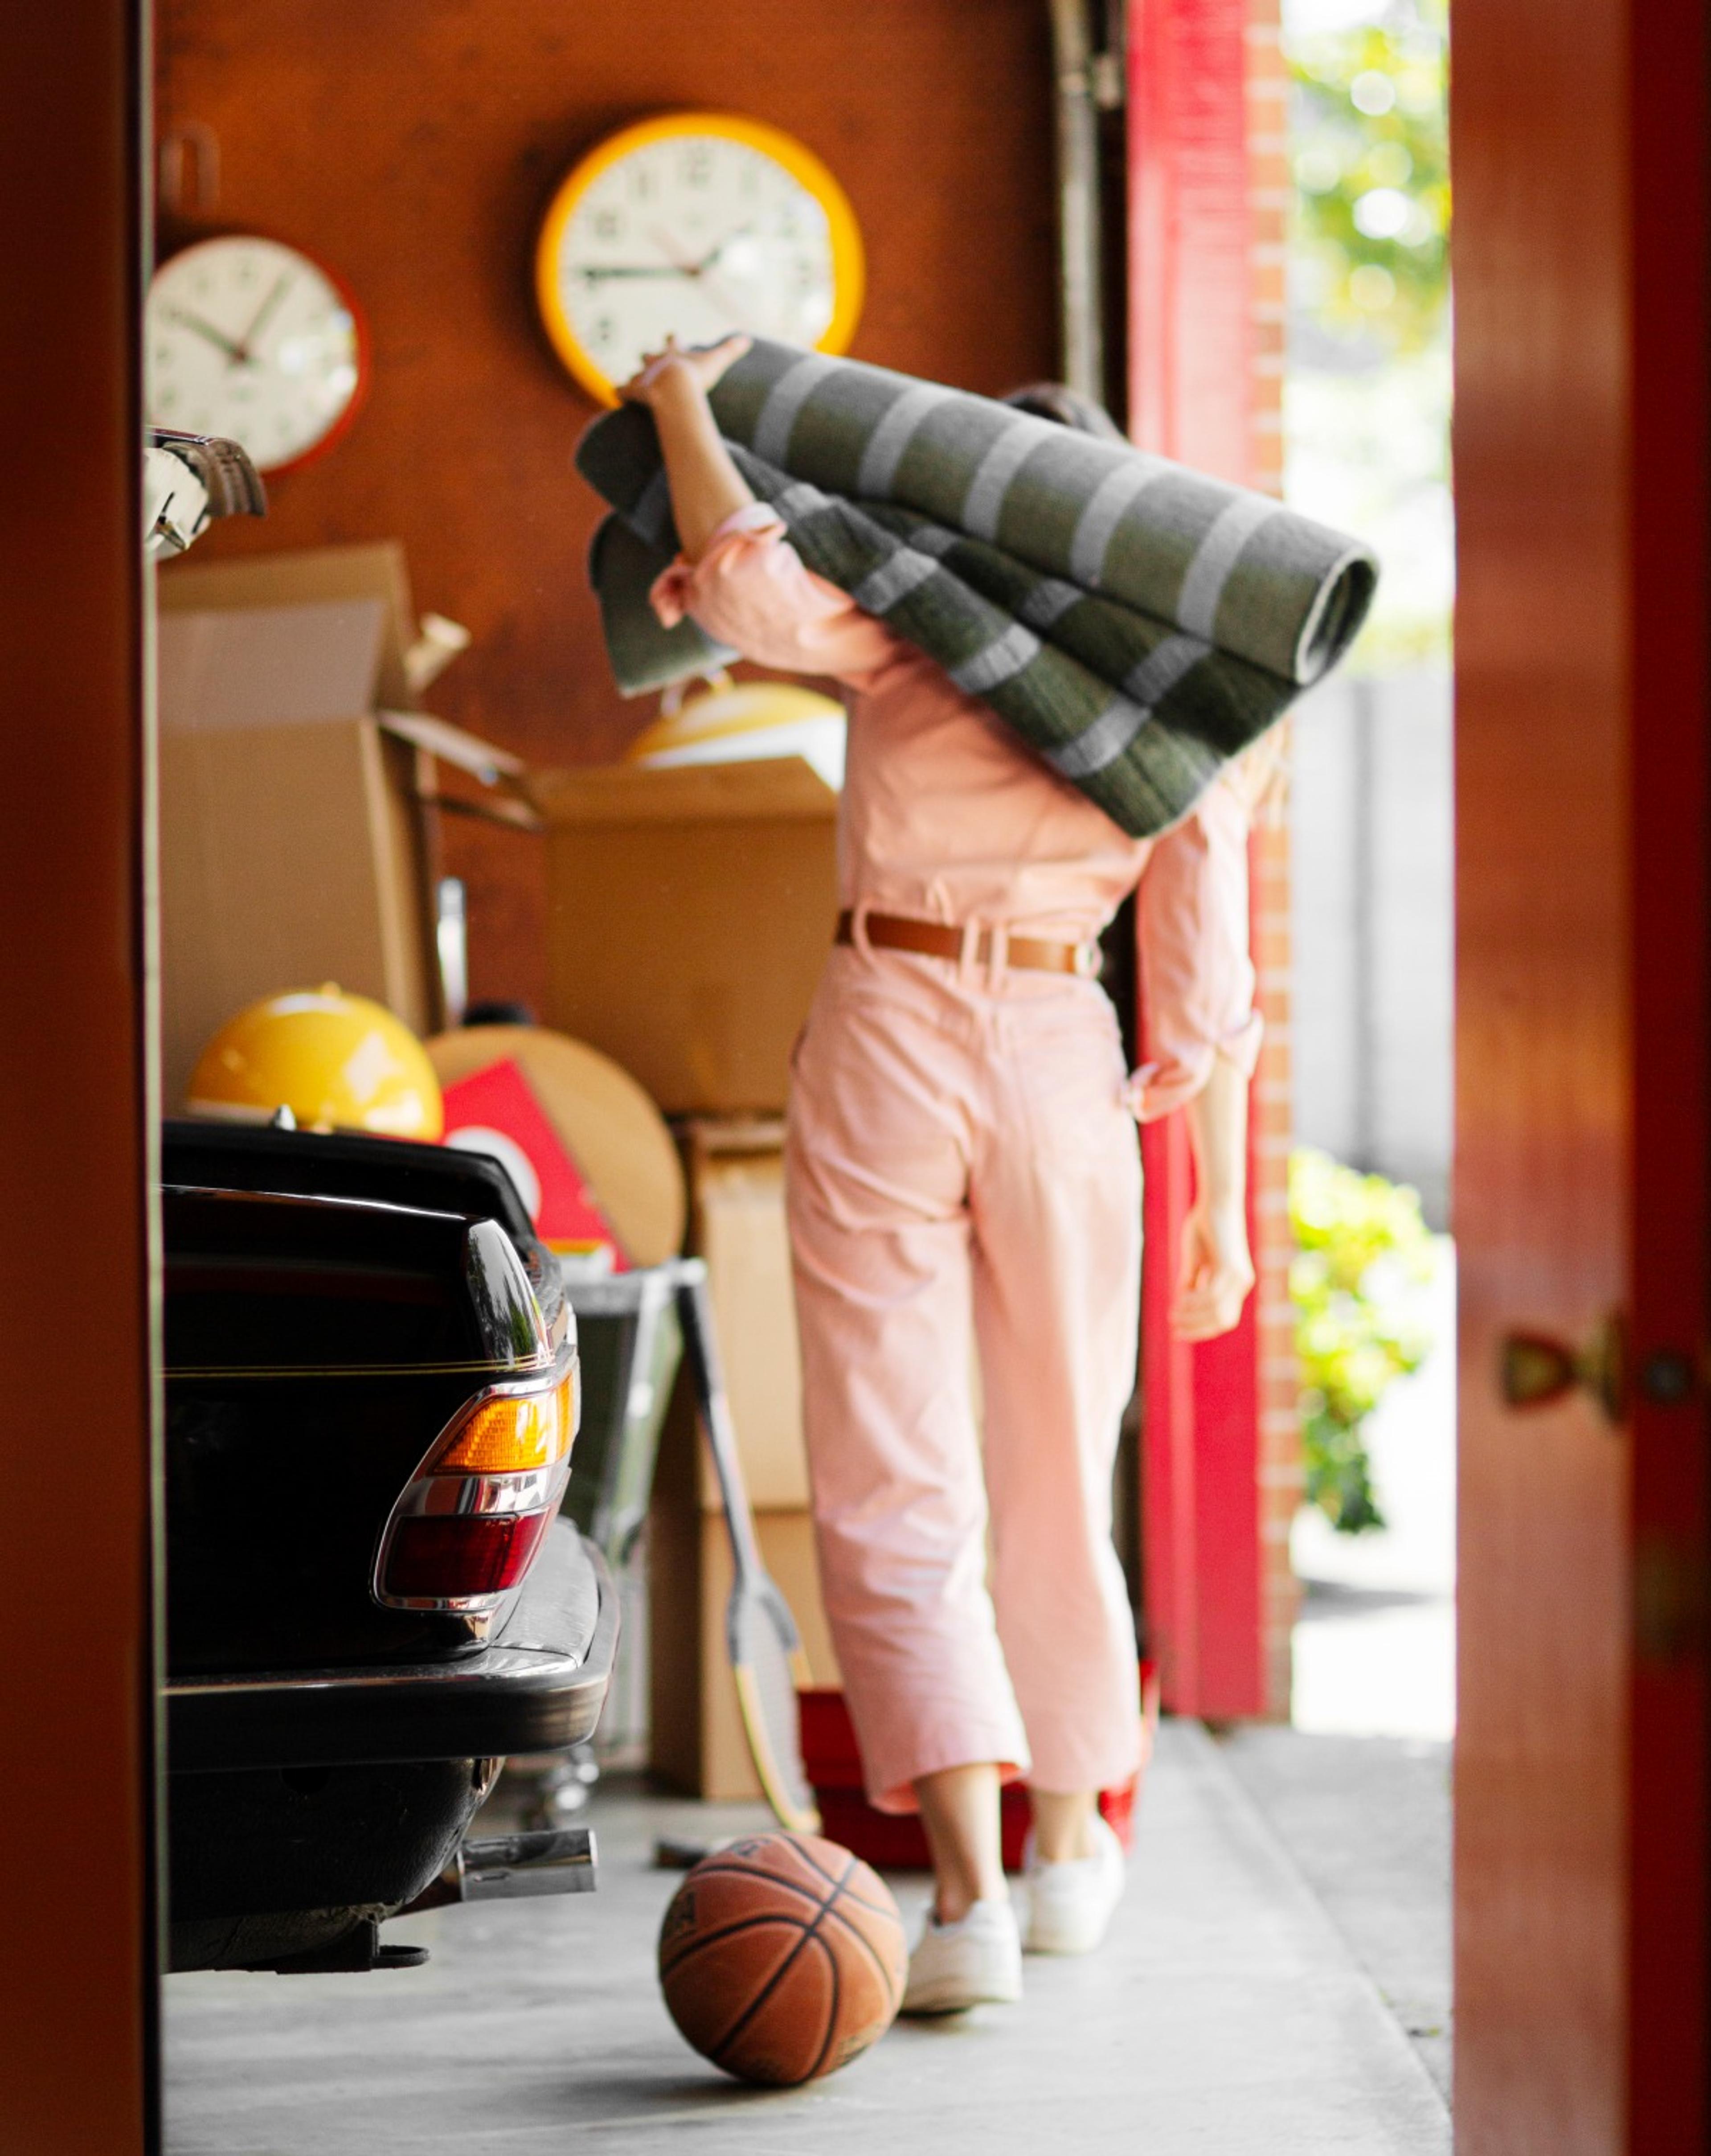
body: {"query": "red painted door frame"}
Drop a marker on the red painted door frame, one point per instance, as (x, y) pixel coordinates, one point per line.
(1668, 1862)
(79, 1947)
(1191, 345)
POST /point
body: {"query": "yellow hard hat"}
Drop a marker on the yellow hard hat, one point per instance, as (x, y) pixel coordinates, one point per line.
(732, 722)
(336, 1062)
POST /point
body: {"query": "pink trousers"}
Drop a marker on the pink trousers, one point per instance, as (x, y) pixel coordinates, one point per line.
(963, 1170)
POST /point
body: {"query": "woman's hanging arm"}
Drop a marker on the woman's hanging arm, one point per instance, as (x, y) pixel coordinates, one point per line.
(1215, 1269)
(1203, 1038)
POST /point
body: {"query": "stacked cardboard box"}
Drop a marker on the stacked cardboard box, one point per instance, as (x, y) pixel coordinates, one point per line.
(690, 913)
(293, 849)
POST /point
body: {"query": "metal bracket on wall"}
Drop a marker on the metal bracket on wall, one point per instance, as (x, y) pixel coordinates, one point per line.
(194, 147)
(1087, 64)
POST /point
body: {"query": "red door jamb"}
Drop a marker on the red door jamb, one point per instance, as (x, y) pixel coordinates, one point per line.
(1190, 341)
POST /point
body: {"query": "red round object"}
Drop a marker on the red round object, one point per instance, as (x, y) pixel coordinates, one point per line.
(783, 1957)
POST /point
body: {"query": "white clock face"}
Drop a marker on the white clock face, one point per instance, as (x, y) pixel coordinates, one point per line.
(694, 236)
(251, 339)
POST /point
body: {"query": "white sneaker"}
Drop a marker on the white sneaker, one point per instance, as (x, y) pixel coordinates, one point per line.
(1070, 1906)
(971, 1963)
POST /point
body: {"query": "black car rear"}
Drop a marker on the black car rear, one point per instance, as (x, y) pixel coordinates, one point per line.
(371, 1395)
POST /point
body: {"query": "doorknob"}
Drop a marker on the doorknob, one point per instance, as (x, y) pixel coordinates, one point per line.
(1534, 1369)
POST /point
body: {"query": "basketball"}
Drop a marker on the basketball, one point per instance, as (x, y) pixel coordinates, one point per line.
(783, 1957)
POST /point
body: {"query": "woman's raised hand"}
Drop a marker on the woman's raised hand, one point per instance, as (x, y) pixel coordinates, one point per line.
(679, 366)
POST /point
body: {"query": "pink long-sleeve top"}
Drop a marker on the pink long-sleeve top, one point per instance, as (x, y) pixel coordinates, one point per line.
(945, 816)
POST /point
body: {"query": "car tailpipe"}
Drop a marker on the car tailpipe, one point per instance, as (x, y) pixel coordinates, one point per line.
(507, 1867)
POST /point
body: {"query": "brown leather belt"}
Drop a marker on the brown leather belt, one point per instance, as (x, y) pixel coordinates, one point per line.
(937, 939)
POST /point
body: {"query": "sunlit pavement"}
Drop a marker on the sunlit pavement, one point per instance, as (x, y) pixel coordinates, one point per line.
(1375, 1644)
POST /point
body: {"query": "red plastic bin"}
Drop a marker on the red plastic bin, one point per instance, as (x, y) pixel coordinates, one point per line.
(896, 1841)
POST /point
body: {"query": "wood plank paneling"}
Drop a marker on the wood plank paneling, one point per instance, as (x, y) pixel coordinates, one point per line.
(414, 144)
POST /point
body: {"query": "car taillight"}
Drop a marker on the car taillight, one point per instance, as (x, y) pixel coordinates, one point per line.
(481, 1553)
(471, 1519)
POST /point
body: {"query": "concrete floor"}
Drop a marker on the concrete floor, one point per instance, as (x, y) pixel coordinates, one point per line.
(1367, 1822)
(1227, 2016)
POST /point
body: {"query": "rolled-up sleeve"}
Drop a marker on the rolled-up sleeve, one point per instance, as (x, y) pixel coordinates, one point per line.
(1196, 972)
(751, 590)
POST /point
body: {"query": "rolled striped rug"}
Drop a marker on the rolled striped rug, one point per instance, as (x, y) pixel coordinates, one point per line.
(1137, 623)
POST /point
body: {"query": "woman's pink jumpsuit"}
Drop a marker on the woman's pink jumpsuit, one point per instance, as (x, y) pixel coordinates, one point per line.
(962, 1153)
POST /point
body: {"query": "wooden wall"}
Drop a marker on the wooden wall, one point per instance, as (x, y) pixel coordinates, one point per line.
(414, 144)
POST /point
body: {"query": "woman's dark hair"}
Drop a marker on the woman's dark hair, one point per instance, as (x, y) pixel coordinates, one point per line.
(1057, 400)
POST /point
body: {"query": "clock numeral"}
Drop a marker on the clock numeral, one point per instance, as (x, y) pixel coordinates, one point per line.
(697, 166)
(605, 330)
(641, 183)
(608, 224)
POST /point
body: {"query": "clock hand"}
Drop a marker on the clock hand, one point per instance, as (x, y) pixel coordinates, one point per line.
(597, 273)
(672, 252)
(708, 259)
(234, 352)
(263, 313)
(701, 272)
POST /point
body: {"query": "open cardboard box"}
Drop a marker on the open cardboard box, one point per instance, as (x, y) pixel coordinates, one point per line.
(689, 913)
(294, 846)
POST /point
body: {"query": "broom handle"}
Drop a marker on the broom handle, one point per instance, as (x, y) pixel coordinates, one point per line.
(701, 1347)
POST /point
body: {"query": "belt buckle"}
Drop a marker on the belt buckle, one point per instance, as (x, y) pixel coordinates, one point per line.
(1089, 961)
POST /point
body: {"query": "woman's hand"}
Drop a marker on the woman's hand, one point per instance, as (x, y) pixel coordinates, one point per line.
(706, 487)
(666, 374)
(1215, 1273)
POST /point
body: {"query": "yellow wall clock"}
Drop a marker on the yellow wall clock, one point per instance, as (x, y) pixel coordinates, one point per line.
(693, 224)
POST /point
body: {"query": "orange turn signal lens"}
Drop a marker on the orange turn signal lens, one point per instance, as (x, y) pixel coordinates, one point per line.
(510, 1436)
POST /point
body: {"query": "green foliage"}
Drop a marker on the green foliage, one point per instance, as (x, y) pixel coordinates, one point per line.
(1360, 1245)
(1371, 156)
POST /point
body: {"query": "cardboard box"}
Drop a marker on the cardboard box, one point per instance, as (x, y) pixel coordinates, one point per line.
(294, 849)
(289, 855)
(737, 1223)
(691, 912)
(372, 579)
(695, 1733)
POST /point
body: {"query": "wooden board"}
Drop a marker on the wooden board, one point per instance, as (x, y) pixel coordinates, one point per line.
(613, 1131)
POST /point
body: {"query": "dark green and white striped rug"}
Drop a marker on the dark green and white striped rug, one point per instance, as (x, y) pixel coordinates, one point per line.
(1136, 623)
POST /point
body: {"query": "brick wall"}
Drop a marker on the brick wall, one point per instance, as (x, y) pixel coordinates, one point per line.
(1210, 198)
(1280, 1470)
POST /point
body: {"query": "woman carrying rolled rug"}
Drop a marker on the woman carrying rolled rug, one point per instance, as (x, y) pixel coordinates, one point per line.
(963, 1173)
